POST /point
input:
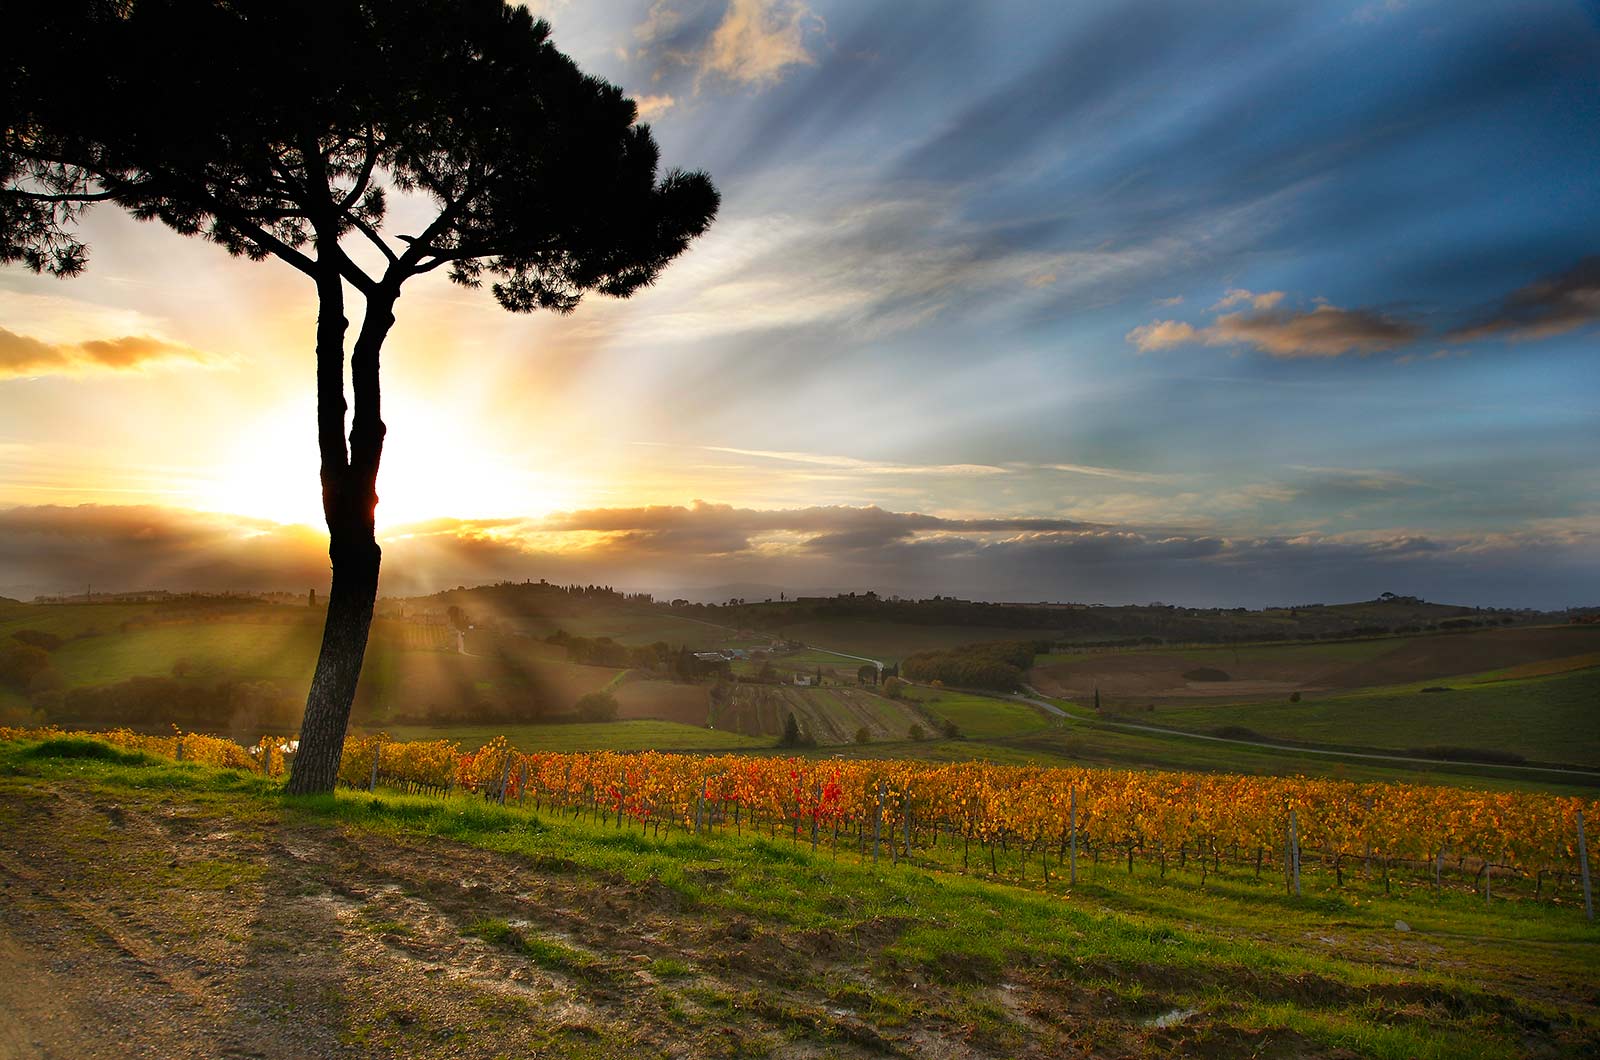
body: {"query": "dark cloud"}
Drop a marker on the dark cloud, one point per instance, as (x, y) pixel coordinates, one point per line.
(21, 355)
(1553, 305)
(675, 549)
(1326, 331)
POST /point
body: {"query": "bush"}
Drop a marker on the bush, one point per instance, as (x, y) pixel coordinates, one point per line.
(21, 664)
(951, 730)
(917, 732)
(597, 706)
(895, 687)
(35, 638)
(1294, 697)
(863, 735)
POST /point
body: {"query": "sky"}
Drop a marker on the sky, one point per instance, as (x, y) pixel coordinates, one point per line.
(1220, 304)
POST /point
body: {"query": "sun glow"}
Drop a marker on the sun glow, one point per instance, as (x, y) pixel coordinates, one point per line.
(434, 466)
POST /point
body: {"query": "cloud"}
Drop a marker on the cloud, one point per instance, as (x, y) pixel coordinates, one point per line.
(757, 40)
(654, 106)
(1238, 296)
(678, 547)
(850, 463)
(1105, 472)
(752, 43)
(22, 355)
(1163, 334)
(1326, 331)
(1552, 305)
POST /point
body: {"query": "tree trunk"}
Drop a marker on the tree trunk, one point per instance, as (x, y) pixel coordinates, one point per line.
(349, 504)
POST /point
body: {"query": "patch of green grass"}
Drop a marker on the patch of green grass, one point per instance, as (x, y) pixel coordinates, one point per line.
(543, 951)
(84, 747)
(670, 968)
(983, 718)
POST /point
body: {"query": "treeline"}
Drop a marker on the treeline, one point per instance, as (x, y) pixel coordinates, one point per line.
(1123, 625)
(994, 665)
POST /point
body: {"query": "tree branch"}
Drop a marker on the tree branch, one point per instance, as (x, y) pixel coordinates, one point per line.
(34, 196)
(365, 176)
(373, 237)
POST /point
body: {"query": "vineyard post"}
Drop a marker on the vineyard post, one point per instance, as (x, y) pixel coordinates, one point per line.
(372, 782)
(505, 776)
(1072, 877)
(266, 759)
(1291, 854)
(622, 798)
(1583, 866)
(178, 756)
(816, 807)
(1294, 842)
(522, 785)
(1438, 864)
(877, 824)
(1486, 884)
(699, 802)
(1366, 867)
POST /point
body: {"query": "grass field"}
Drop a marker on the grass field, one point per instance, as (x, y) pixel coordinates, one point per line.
(983, 717)
(566, 937)
(1545, 719)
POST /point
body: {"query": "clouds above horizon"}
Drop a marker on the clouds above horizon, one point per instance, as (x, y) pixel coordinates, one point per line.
(698, 548)
(1356, 246)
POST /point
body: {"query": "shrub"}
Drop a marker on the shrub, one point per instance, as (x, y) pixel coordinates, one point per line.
(38, 639)
(917, 732)
(597, 706)
(863, 735)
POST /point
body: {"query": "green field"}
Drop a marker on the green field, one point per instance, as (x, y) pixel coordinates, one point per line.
(1545, 719)
(983, 717)
(740, 946)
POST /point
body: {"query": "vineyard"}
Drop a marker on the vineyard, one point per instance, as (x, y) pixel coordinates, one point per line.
(1029, 824)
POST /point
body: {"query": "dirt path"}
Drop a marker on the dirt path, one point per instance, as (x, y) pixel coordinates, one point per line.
(161, 929)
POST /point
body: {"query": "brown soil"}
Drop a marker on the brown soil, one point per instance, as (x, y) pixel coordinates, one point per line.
(1270, 673)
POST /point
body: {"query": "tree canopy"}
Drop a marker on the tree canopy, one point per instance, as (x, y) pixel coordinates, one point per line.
(268, 125)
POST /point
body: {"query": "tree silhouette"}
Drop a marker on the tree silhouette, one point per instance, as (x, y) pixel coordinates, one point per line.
(283, 132)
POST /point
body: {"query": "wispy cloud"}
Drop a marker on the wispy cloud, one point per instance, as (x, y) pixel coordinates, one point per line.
(23, 356)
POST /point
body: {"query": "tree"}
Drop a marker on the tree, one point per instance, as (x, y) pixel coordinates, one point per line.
(597, 706)
(791, 732)
(285, 135)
